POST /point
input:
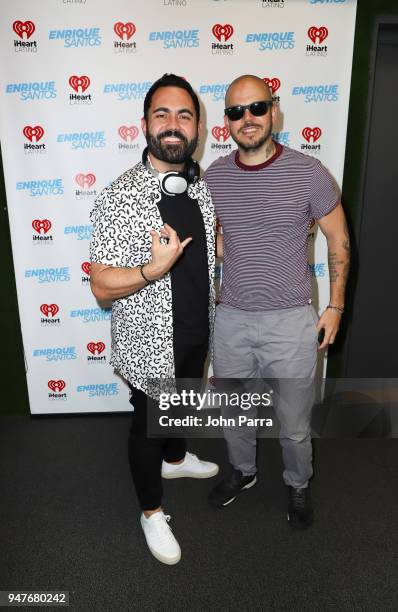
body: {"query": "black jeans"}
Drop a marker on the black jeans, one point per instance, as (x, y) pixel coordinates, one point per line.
(146, 454)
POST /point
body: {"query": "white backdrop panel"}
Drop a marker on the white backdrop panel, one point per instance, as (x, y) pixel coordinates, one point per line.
(72, 88)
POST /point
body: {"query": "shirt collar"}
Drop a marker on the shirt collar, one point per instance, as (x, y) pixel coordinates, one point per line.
(278, 151)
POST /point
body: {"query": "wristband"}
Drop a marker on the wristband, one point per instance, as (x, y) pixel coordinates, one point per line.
(143, 275)
(332, 307)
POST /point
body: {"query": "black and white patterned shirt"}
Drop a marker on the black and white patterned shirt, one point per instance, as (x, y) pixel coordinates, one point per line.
(142, 323)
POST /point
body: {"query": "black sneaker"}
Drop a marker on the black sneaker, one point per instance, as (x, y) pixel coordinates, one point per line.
(300, 512)
(226, 491)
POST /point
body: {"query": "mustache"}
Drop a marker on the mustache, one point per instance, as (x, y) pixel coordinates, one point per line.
(172, 134)
(249, 124)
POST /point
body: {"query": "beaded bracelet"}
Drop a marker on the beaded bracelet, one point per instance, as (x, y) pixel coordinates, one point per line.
(143, 275)
(332, 307)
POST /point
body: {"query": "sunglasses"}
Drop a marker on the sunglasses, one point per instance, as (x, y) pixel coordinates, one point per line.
(257, 109)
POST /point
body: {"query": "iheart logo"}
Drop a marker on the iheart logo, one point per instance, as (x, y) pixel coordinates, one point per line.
(318, 33)
(273, 83)
(75, 82)
(221, 31)
(49, 309)
(313, 133)
(220, 133)
(41, 225)
(85, 180)
(96, 348)
(124, 29)
(128, 133)
(56, 385)
(31, 133)
(22, 28)
(86, 267)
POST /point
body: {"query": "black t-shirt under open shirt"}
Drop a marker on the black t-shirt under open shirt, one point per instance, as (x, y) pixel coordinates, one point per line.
(189, 275)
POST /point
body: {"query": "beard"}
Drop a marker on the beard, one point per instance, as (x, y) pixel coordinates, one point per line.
(255, 143)
(177, 153)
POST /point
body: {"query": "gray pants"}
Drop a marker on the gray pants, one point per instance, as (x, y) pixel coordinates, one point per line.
(279, 344)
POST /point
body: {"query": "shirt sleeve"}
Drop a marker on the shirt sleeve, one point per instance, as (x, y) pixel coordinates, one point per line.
(110, 240)
(323, 195)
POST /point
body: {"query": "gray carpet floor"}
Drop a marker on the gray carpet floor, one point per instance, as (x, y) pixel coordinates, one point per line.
(69, 520)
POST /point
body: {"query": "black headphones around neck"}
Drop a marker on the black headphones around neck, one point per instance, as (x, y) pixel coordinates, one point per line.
(173, 182)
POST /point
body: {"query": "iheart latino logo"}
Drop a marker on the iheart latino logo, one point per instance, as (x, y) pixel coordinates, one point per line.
(35, 133)
(56, 385)
(317, 33)
(75, 82)
(49, 309)
(128, 133)
(85, 180)
(41, 226)
(222, 31)
(273, 83)
(220, 133)
(23, 28)
(313, 133)
(86, 267)
(124, 29)
(96, 348)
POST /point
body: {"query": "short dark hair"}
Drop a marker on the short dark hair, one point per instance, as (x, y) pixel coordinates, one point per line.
(171, 80)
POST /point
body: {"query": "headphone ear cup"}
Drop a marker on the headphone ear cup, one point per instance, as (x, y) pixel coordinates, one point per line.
(191, 173)
(192, 170)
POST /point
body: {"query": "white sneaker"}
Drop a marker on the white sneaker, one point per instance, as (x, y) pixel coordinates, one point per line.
(160, 539)
(191, 467)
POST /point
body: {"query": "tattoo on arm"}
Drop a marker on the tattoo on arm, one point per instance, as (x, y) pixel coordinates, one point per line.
(347, 249)
(339, 264)
(334, 262)
(346, 242)
(345, 271)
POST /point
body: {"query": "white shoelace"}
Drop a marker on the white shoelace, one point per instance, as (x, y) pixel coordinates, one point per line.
(193, 457)
(163, 527)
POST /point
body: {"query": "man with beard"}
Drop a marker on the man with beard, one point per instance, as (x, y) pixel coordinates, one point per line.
(266, 197)
(152, 253)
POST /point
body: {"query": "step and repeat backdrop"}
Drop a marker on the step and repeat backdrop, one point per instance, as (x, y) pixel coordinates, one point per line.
(74, 74)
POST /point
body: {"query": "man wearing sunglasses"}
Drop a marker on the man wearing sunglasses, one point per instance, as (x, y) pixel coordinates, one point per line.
(266, 197)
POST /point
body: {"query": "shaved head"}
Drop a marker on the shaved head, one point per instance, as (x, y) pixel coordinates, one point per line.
(252, 132)
(241, 82)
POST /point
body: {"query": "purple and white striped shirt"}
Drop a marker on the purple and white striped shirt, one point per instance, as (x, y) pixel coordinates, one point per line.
(265, 212)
